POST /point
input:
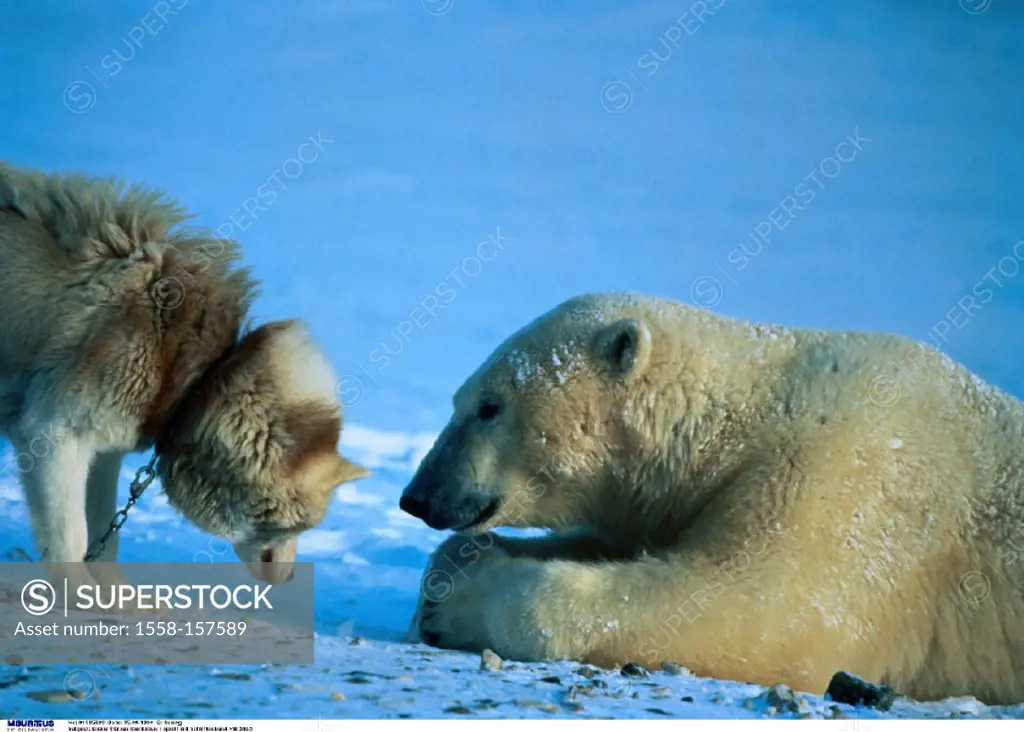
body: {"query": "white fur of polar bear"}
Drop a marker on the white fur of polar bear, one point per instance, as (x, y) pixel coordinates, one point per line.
(757, 503)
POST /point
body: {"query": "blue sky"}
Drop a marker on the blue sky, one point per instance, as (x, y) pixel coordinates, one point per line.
(445, 122)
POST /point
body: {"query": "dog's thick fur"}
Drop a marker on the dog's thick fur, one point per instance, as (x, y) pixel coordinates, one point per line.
(121, 330)
(758, 503)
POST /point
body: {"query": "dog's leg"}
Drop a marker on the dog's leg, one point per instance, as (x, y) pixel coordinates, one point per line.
(54, 468)
(54, 479)
(101, 504)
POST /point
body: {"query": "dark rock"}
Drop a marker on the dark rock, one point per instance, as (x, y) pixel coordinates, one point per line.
(849, 689)
(587, 672)
(634, 671)
(459, 709)
(687, 699)
(551, 680)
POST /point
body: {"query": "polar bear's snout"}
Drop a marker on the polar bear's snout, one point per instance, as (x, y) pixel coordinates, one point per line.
(442, 505)
(445, 492)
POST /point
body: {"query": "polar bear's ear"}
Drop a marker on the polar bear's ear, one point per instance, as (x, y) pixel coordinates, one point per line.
(625, 347)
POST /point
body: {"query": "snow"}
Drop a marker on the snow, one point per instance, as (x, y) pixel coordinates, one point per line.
(504, 131)
(368, 560)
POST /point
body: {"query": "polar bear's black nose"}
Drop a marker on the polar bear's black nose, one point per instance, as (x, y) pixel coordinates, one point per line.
(414, 506)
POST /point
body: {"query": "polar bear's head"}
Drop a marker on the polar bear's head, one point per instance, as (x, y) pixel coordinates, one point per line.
(540, 431)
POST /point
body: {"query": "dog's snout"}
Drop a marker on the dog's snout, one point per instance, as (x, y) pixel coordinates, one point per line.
(414, 506)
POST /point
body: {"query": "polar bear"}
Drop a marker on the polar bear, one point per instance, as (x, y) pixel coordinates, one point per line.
(758, 503)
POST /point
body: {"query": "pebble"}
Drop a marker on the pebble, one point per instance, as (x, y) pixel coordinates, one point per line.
(551, 680)
(232, 676)
(534, 704)
(337, 696)
(688, 699)
(490, 661)
(781, 699)
(55, 696)
(671, 668)
(835, 712)
(587, 672)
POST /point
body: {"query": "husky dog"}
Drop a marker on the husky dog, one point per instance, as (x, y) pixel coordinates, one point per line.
(120, 331)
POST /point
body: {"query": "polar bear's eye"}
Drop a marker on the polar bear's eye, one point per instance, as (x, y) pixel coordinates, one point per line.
(488, 410)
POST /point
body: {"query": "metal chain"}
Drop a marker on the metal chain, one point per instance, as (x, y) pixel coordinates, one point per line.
(143, 477)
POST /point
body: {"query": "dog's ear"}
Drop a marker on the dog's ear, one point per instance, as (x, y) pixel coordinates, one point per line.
(349, 471)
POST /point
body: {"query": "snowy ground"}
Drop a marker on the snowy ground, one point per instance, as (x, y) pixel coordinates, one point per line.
(369, 557)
